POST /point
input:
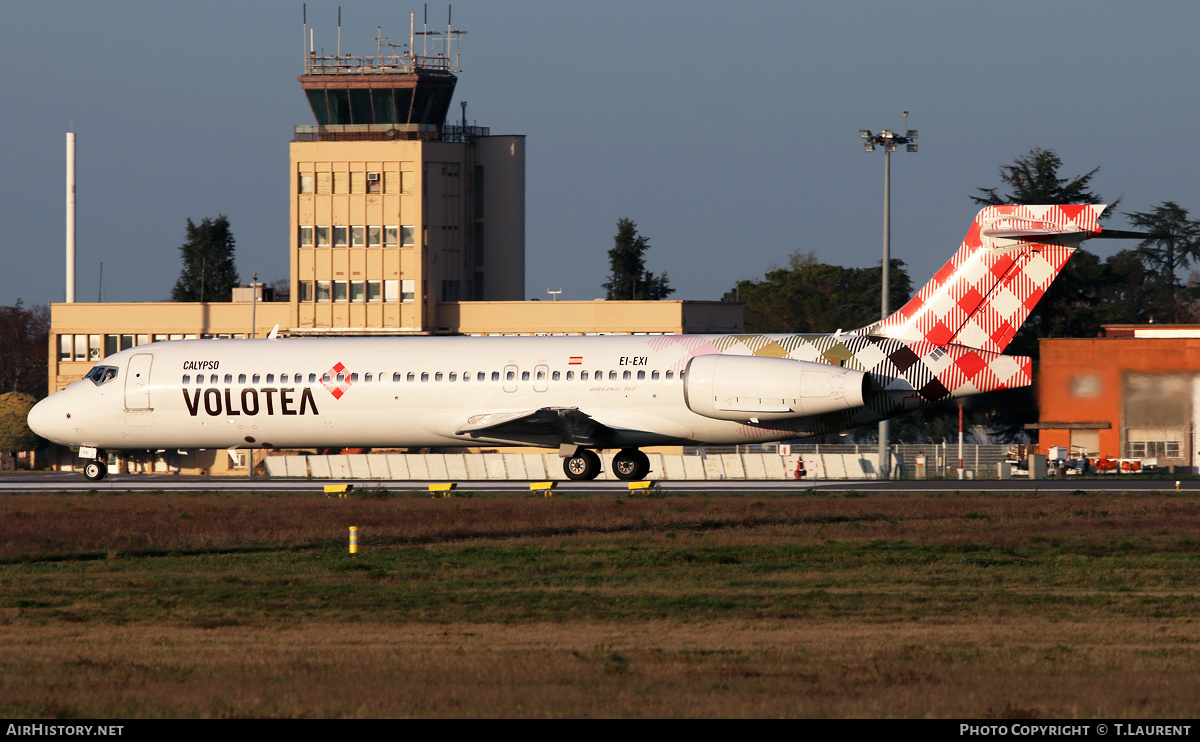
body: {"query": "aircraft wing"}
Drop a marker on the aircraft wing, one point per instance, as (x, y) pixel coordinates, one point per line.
(567, 424)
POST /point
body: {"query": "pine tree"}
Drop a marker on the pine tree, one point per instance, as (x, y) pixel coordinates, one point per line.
(629, 278)
(209, 273)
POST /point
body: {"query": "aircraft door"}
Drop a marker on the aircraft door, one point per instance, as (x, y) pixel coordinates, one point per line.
(137, 382)
(541, 376)
(510, 378)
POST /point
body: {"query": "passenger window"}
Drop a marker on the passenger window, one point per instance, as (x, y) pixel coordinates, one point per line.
(641, 375)
(424, 376)
(256, 378)
(228, 378)
(570, 376)
(396, 376)
(670, 375)
(366, 378)
(627, 376)
(312, 378)
(555, 376)
(340, 378)
(495, 376)
(325, 378)
(411, 376)
(510, 376)
(437, 376)
(524, 376)
(353, 377)
(241, 378)
(612, 375)
(480, 376)
(187, 378)
(654, 376)
(453, 376)
(270, 378)
(541, 375)
(583, 376)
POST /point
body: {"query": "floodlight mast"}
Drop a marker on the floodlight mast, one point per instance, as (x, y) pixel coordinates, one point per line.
(888, 139)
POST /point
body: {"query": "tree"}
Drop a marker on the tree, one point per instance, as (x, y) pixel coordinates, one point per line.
(808, 296)
(1034, 179)
(629, 278)
(24, 339)
(15, 434)
(208, 271)
(1174, 242)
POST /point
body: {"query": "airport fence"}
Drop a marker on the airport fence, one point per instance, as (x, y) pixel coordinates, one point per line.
(821, 461)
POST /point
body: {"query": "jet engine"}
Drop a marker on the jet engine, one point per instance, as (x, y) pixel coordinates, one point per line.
(752, 388)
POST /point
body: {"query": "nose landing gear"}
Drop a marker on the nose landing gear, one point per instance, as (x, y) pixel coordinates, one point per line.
(95, 470)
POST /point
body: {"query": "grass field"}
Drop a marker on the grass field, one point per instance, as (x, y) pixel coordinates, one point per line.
(830, 605)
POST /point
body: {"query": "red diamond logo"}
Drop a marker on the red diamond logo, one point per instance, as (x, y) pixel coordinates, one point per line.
(335, 381)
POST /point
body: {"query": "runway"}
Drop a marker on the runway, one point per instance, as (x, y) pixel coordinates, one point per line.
(16, 482)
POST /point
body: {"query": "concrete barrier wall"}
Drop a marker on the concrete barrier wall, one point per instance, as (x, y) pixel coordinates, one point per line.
(458, 467)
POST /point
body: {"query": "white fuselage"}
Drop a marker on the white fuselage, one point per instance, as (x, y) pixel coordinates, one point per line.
(391, 392)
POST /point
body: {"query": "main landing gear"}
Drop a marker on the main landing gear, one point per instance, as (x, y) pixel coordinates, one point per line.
(629, 465)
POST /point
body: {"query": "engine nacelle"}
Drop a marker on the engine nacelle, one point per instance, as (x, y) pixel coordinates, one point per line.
(748, 388)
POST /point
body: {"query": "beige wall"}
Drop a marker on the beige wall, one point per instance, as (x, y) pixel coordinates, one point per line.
(140, 322)
(429, 186)
(582, 317)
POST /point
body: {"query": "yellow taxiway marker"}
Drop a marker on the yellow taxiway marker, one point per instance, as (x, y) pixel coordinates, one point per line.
(341, 490)
(546, 488)
(444, 487)
(641, 485)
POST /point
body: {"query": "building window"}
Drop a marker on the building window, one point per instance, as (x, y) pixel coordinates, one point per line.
(408, 288)
(374, 182)
(341, 183)
(305, 291)
(407, 236)
(374, 236)
(392, 182)
(374, 291)
(340, 236)
(322, 236)
(391, 236)
(339, 291)
(306, 237)
(65, 352)
(323, 292)
(358, 291)
(322, 184)
(358, 237)
(306, 183)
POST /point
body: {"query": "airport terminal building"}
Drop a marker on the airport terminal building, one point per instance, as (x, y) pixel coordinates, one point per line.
(400, 223)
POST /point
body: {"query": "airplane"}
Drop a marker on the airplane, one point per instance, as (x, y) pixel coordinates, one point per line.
(581, 394)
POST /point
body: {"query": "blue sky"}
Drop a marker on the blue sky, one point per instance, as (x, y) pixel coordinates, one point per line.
(727, 131)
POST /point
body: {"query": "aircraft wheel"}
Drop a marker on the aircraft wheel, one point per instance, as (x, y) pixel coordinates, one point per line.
(95, 470)
(631, 465)
(582, 466)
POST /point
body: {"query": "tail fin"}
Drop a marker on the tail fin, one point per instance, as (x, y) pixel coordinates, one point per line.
(1006, 262)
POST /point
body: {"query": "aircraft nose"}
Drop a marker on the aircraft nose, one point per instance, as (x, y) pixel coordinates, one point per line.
(48, 419)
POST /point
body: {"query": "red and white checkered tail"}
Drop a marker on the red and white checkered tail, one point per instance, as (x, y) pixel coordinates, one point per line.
(1006, 262)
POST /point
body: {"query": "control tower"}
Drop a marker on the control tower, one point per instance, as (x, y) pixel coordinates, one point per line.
(397, 216)
(393, 94)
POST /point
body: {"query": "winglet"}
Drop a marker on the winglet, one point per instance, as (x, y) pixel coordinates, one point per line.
(274, 332)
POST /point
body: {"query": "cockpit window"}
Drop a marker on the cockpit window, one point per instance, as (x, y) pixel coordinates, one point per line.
(102, 374)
